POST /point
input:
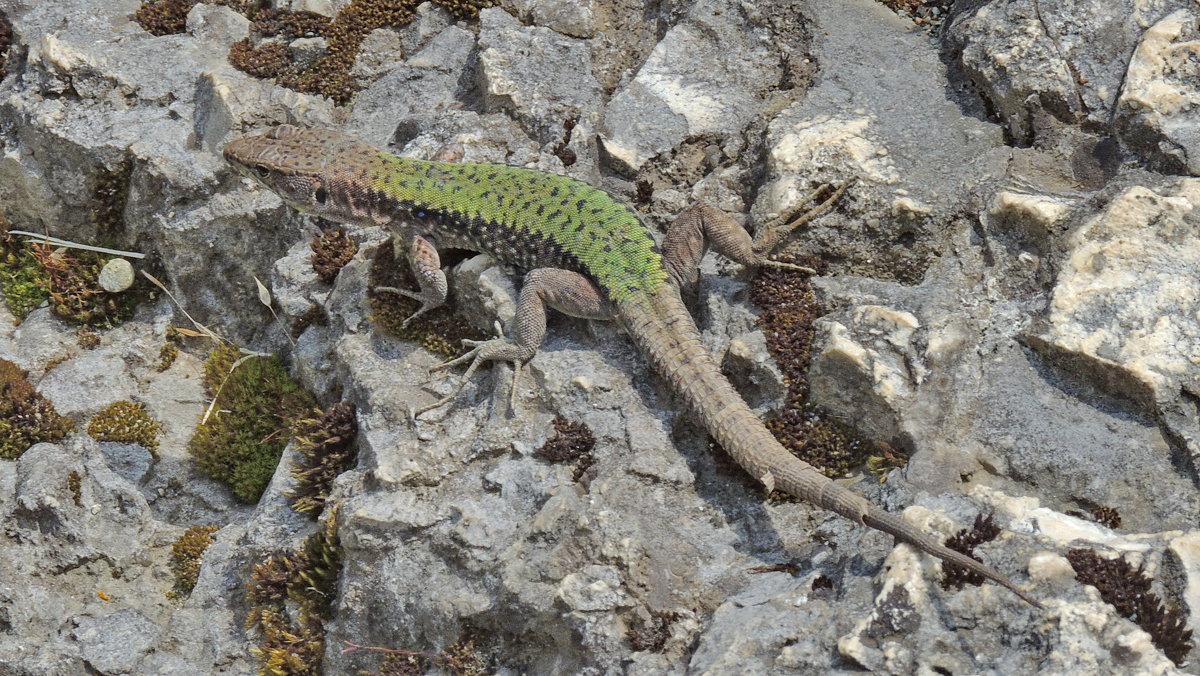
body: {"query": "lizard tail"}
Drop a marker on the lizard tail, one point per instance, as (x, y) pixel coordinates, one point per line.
(663, 330)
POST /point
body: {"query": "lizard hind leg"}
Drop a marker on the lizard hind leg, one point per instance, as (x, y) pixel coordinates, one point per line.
(703, 225)
(566, 291)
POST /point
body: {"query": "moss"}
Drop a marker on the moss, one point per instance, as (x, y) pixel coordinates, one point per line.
(26, 417)
(1128, 590)
(33, 273)
(651, 635)
(331, 251)
(885, 459)
(460, 658)
(789, 310)
(440, 331)
(1107, 516)
(315, 315)
(164, 17)
(109, 195)
(185, 558)
(965, 541)
(168, 17)
(326, 448)
(256, 405)
(291, 598)
(268, 60)
(75, 485)
(572, 442)
(167, 355)
(127, 423)
(5, 42)
(87, 339)
(26, 285)
(330, 74)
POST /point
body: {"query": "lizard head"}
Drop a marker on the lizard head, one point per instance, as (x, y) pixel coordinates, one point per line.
(310, 169)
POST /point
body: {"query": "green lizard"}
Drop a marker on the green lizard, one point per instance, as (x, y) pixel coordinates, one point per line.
(587, 254)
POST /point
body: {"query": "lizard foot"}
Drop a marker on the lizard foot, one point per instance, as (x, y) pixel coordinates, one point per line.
(427, 301)
(496, 349)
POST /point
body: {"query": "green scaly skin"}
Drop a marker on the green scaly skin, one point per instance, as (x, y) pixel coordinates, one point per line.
(533, 220)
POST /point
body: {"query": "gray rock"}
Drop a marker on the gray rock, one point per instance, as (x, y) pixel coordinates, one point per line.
(1156, 112)
(541, 78)
(217, 24)
(1068, 62)
(428, 21)
(381, 51)
(130, 461)
(427, 83)
(307, 51)
(576, 19)
(1126, 306)
(114, 644)
(732, 69)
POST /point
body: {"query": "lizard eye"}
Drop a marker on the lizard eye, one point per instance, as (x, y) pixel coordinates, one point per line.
(262, 171)
(321, 196)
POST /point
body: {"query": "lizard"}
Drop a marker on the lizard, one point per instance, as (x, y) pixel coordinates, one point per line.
(587, 255)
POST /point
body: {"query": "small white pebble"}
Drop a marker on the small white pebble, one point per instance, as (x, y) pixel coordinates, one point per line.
(582, 382)
(116, 275)
(96, 508)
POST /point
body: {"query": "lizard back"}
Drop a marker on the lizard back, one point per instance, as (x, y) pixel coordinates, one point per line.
(520, 216)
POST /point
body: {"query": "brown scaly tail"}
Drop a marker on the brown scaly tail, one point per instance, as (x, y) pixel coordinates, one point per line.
(665, 333)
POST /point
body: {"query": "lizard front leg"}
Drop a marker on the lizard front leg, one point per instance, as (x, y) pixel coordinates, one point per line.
(703, 225)
(568, 292)
(426, 266)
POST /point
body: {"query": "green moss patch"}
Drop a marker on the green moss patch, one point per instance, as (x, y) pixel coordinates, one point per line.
(26, 417)
(291, 596)
(256, 405)
(127, 423)
(33, 273)
(185, 558)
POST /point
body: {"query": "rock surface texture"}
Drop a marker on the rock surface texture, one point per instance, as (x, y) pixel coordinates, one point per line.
(1012, 301)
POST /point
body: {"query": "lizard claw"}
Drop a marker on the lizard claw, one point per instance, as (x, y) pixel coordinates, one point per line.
(496, 349)
(427, 303)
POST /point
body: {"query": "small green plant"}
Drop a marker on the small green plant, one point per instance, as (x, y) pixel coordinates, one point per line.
(33, 273)
(185, 558)
(127, 423)
(255, 406)
(326, 447)
(291, 598)
(26, 417)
